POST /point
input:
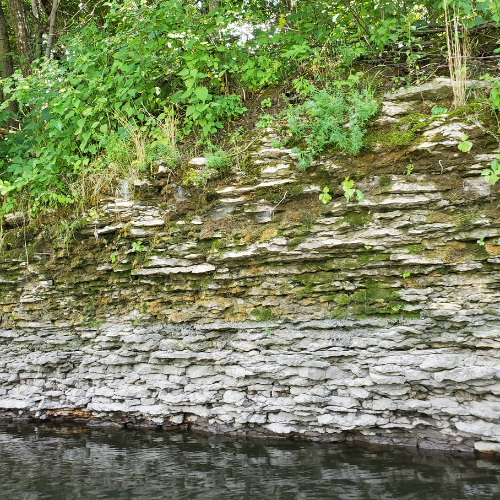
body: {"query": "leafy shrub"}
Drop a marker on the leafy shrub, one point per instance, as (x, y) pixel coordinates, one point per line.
(265, 121)
(218, 161)
(331, 117)
(325, 196)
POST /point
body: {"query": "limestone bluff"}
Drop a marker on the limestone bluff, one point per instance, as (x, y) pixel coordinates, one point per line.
(253, 309)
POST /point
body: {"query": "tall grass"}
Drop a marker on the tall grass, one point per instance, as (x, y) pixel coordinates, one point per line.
(456, 42)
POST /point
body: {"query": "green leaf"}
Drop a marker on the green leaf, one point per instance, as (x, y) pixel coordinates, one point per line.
(85, 139)
(186, 94)
(465, 146)
(201, 93)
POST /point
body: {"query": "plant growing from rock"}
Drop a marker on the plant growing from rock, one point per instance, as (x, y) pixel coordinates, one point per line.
(332, 117)
(465, 146)
(324, 196)
(138, 247)
(438, 110)
(492, 174)
(265, 121)
(349, 190)
(218, 161)
(456, 42)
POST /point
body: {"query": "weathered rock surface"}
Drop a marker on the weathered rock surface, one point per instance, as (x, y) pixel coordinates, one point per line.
(265, 312)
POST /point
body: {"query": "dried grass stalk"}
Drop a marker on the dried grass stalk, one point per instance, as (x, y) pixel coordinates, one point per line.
(456, 41)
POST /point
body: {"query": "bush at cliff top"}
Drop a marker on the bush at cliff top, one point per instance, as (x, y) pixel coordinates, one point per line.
(148, 58)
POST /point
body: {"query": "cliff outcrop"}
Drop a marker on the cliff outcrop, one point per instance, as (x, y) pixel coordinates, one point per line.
(250, 307)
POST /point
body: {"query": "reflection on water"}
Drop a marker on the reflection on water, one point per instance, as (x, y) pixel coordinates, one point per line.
(39, 462)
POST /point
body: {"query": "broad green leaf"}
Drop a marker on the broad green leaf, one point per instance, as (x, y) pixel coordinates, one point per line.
(201, 93)
(186, 94)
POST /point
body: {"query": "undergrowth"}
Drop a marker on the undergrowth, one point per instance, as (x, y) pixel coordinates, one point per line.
(331, 118)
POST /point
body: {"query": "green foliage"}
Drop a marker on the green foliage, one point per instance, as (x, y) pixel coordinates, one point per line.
(409, 168)
(302, 86)
(331, 117)
(101, 101)
(276, 144)
(140, 61)
(349, 190)
(218, 163)
(495, 96)
(266, 103)
(465, 145)
(305, 158)
(324, 196)
(112, 258)
(406, 274)
(480, 242)
(492, 174)
(437, 110)
(137, 246)
(265, 121)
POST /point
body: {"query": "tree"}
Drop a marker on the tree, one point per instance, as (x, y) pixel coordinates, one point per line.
(5, 55)
(22, 32)
(6, 59)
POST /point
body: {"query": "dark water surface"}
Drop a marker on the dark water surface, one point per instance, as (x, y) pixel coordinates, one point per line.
(39, 462)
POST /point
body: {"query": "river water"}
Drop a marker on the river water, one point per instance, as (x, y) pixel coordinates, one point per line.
(66, 463)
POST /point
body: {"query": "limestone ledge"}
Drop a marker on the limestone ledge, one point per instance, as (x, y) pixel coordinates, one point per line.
(384, 381)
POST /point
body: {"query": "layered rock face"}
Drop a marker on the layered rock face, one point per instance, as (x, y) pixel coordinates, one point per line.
(251, 307)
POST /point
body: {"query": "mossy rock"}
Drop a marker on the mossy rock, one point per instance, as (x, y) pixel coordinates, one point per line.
(295, 242)
(357, 218)
(342, 299)
(263, 314)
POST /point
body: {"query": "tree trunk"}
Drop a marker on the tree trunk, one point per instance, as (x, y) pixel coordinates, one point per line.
(5, 57)
(6, 60)
(22, 32)
(52, 28)
(40, 27)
